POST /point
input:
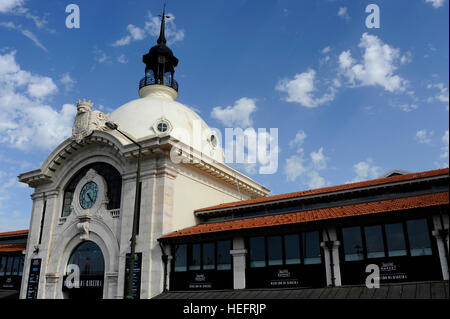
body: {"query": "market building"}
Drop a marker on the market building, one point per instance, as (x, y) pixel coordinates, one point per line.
(136, 173)
(12, 256)
(147, 171)
(319, 238)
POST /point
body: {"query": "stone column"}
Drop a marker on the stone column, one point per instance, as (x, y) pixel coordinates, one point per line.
(331, 254)
(127, 211)
(161, 222)
(238, 253)
(51, 284)
(440, 232)
(111, 285)
(32, 240)
(51, 218)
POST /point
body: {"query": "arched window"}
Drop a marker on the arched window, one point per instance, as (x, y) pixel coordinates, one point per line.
(113, 181)
(89, 258)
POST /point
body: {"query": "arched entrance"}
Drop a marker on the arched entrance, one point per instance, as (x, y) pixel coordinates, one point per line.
(91, 264)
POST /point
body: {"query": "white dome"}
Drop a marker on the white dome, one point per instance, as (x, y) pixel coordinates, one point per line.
(141, 117)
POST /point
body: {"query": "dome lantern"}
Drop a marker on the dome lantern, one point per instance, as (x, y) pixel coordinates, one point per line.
(160, 62)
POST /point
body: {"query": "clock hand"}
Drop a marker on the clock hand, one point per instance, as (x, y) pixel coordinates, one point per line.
(89, 195)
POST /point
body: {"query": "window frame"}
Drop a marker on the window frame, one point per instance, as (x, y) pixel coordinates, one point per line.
(283, 250)
(201, 257)
(384, 233)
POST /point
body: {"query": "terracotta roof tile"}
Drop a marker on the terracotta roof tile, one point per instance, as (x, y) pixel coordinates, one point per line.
(12, 247)
(380, 181)
(16, 232)
(391, 205)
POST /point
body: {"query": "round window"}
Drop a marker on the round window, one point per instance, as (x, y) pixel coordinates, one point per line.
(162, 127)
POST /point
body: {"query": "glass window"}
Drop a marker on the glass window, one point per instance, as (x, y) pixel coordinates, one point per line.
(275, 252)
(419, 238)
(194, 260)
(68, 197)
(223, 255)
(208, 256)
(9, 266)
(2, 265)
(311, 248)
(257, 252)
(353, 248)
(180, 258)
(88, 256)
(21, 266)
(395, 240)
(16, 262)
(292, 249)
(374, 241)
(162, 127)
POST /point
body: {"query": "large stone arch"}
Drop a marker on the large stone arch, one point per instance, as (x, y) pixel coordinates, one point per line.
(69, 149)
(69, 239)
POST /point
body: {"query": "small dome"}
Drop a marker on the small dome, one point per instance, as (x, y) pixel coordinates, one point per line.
(156, 113)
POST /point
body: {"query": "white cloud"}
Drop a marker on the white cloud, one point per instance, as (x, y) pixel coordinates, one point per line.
(300, 90)
(122, 59)
(26, 33)
(101, 57)
(27, 122)
(365, 170)
(424, 136)
(442, 96)
(15, 7)
(406, 58)
(152, 27)
(298, 141)
(405, 107)
(377, 66)
(297, 166)
(237, 115)
(318, 159)
(436, 3)
(67, 81)
(326, 50)
(294, 167)
(343, 13)
(7, 6)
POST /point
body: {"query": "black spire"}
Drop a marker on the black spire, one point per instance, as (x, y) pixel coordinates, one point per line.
(159, 61)
(162, 35)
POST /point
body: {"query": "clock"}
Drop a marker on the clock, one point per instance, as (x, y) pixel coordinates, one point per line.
(88, 195)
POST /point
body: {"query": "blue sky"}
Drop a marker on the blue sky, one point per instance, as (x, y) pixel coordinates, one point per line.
(350, 103)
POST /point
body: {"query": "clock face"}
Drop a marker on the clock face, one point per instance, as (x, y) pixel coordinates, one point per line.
(88, 195)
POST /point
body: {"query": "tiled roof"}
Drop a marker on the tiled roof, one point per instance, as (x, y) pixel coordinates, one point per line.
(16, 232)
(407, 290)
(375, 182)
(391, 205)
(12, 247)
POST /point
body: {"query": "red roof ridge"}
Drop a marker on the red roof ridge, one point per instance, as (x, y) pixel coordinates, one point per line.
(13, 247)
(15, 232)
(324, 190)
(386, 205)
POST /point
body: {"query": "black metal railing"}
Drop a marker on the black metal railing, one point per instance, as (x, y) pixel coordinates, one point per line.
(150, 80)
